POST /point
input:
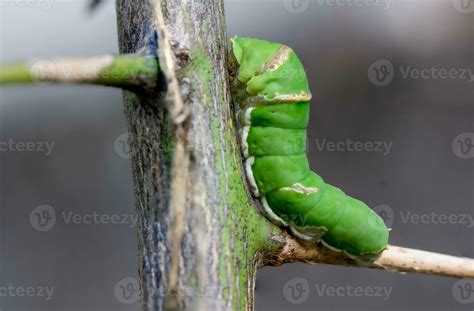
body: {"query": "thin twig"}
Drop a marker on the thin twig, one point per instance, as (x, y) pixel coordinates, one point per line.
(394, 258)
(124, 71)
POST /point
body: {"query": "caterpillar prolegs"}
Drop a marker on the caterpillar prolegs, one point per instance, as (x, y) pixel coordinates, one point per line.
(269, 84)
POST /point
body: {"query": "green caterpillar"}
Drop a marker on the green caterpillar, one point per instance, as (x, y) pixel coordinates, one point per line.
(269, 84)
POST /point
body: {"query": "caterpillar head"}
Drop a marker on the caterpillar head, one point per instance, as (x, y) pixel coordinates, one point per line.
(262, 72)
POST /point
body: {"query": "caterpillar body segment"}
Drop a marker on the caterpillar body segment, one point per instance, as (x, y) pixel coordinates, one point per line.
(269, 84)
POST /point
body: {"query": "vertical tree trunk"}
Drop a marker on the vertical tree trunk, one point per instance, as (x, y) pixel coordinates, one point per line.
(200, 239)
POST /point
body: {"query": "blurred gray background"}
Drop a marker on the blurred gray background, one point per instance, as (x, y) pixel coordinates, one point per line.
(394, 73)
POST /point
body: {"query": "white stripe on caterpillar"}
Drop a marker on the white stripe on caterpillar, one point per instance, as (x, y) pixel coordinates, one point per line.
(300, 189)
(268, 212)
(248, 116)
(251, 179)
(244, 133)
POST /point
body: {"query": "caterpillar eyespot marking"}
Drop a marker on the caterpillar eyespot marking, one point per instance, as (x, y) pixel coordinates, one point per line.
(271, 93)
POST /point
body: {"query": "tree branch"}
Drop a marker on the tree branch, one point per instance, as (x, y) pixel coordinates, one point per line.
(395, 258)
(124, 71)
